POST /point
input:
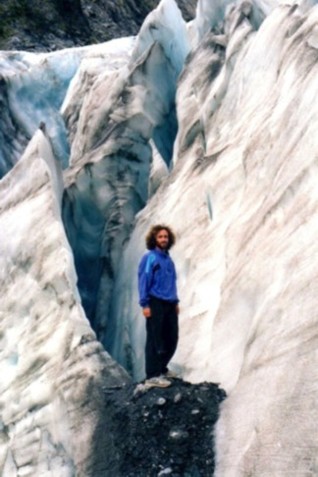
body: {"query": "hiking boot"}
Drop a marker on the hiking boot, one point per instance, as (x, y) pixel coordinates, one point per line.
(157, 382)
(170, 374)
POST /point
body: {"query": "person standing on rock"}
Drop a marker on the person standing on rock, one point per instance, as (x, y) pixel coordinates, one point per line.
(159, 301)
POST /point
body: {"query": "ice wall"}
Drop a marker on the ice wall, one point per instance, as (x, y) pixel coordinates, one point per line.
(243, 201)
(53, 370)
(33, 88)
(119, 112)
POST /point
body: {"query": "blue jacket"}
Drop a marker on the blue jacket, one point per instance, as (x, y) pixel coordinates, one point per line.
(157, 277)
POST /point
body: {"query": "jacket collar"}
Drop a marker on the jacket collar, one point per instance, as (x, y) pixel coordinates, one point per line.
(163, 253)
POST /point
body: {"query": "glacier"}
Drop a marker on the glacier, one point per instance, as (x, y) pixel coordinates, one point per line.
(110, 171)
(33, 88)
(210, 128)
(50, 359)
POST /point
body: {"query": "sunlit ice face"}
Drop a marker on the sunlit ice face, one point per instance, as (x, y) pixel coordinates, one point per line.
(162, 239)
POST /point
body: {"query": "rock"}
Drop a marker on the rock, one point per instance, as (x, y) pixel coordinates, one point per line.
(178, 434)
(51, 25)
(177, 398)
(40, 25)
(166, 471)
(161, 401)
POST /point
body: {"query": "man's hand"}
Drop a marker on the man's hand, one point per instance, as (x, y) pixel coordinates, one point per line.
(146, 312)
(177, 309)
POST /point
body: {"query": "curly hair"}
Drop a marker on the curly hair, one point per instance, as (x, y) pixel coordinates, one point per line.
(151, 236)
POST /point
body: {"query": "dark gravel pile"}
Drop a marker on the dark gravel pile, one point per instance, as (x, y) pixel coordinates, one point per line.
(164, 431)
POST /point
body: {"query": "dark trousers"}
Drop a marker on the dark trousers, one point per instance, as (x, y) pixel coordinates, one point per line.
(162, 336)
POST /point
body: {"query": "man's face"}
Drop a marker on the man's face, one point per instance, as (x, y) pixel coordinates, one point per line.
(162, 239)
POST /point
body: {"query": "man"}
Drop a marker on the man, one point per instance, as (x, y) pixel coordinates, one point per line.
(159, 301)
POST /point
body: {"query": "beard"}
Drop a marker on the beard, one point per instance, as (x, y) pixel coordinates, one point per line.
(162, 246)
